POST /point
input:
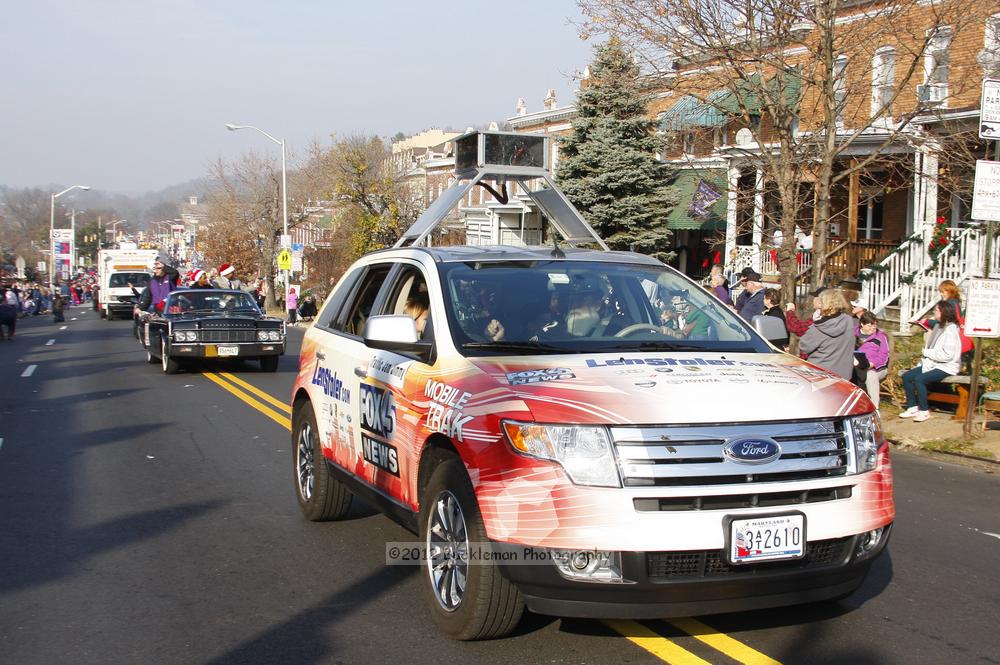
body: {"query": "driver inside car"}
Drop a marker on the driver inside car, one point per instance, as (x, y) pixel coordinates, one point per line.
(584, 313)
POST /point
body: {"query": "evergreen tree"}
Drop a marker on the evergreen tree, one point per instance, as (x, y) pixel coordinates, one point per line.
(608, 166)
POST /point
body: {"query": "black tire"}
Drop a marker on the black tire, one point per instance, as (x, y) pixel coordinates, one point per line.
(150, 358)
(489, 606)
(321, 496)
(170, 366)
(269, 363)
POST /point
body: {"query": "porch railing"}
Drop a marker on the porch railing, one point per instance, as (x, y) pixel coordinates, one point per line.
(960, 261)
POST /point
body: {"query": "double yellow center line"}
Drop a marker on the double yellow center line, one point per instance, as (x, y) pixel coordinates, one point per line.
(639, 634)
(278, 411)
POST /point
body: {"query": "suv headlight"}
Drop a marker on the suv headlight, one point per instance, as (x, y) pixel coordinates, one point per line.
(867, 438)
(583, 451)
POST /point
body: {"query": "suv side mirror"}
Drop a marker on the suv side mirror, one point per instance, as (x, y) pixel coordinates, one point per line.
(770, 328)
(398, 333)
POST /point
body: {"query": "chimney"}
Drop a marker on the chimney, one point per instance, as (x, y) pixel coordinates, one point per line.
(521, 108)
(550, 100)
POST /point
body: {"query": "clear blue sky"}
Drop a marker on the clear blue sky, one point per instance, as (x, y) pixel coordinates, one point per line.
(132, 95)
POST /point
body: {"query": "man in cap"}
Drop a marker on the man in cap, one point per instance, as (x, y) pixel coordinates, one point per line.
(227, 277)
(751, 301)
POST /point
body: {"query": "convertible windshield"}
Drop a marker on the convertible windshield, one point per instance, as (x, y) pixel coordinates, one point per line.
(209, 301)
(543, 307)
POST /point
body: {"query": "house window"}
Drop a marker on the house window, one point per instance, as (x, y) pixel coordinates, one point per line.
(718, 136)
(840, 87)
(990, 57)
(883, 81)
(936, 66)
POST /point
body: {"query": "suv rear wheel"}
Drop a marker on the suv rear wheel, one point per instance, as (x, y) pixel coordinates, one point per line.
(467, 602)
(321, 496)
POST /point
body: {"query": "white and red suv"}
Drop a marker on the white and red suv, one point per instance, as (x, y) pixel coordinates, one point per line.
(583, 433)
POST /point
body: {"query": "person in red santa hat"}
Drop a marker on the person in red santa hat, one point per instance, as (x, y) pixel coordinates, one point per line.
(227, 277)
(199, 280)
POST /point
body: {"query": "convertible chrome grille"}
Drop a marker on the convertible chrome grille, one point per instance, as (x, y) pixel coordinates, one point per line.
(213, 336)
(693, 454)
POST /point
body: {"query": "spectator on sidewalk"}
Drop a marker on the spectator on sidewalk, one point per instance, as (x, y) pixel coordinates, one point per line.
(941, 357)
(871, 357)
(292, 304)
(58, 307)
(829, 342)
(750, 303)
(8, 319)
(772, 307)
(799, 326)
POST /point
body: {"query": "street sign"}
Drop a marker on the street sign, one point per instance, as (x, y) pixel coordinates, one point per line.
(298, 249)
(296, 263)
(989, 123)
(284, 260)
(986, 192)
(983, 316)
(286, 241)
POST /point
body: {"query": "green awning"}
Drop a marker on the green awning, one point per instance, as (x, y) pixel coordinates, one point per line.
(690, 112)
(686, 184)
(745, 94)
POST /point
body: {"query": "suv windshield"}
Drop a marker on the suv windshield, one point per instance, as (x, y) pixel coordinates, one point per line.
(533, 307)
(137, 279)
(208, 300)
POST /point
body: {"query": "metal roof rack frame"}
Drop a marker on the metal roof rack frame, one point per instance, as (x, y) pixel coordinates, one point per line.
(504, 156)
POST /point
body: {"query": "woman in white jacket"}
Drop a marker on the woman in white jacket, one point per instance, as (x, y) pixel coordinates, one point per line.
(942, 356)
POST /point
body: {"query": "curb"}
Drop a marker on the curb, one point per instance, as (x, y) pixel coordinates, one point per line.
(912, 447)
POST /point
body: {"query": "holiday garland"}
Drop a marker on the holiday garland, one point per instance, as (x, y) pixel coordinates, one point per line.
(939, 239)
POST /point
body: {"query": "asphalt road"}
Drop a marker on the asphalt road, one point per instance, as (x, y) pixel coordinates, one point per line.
(151, 519)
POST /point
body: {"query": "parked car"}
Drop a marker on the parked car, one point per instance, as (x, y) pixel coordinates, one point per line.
(212, 324)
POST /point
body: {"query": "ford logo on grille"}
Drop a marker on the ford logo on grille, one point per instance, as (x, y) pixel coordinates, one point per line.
(752, 450)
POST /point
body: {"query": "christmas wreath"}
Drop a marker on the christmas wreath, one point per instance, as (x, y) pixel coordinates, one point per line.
(939, 238)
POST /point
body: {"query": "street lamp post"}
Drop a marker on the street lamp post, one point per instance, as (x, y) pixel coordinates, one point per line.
(284, 184)
(114, 229)
(52, 227)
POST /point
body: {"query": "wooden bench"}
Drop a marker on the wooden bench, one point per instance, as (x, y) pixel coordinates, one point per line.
(937, 392)
(960, 398)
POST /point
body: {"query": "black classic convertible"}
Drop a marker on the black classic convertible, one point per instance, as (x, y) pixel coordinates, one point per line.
(212, 323)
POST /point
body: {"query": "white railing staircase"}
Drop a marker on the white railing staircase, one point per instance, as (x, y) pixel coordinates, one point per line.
(910, 276)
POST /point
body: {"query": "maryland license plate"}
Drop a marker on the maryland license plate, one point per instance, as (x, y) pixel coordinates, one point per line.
(228, 350)
(769, 538)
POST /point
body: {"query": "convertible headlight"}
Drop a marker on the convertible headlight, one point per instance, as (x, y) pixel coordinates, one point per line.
(583, 451)
(185, 336)
(866, 434)
(268, 336)
(262, 335)
(275, 335)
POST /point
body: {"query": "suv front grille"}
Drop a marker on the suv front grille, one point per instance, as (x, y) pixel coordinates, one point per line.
(688, 455)
(712, 563)
(733, 501)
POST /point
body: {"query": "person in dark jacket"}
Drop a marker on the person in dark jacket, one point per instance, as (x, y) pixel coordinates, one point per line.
(772, 307)
(829, 342)
(750, 303)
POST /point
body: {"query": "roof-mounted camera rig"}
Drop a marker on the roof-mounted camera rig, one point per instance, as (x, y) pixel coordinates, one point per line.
(481, 157)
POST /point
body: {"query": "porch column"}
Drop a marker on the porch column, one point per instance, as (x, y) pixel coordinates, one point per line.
(731, 203)
(853, 198)
(758, 219)
(927, 177)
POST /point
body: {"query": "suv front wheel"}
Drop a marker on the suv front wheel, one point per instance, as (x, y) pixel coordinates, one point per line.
(469, 598)
(321, 496)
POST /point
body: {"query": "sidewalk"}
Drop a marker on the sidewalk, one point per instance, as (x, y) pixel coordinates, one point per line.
(941, 434)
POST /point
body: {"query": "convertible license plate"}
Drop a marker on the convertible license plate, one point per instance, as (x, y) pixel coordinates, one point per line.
(229, 350)
(767, 538)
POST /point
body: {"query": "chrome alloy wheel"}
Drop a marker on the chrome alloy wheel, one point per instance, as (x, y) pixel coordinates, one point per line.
(305, 469)
(447, 551)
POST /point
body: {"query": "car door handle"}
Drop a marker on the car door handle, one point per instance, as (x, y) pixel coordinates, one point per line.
(361, 371)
